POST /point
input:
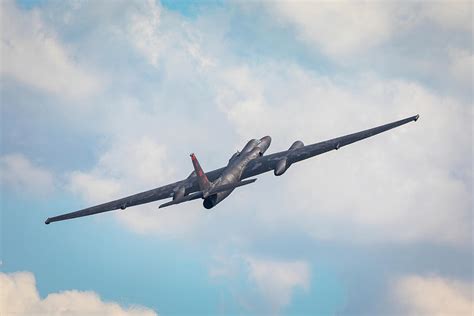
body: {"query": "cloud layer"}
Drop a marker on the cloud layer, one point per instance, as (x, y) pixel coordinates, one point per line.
(277, 279)
(273, 281)
(20, 174)
(433, 296)
(19, 296)
(36, 58)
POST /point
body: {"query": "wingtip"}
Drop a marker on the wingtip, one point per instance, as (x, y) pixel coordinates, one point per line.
(417, 117)
(47, 221)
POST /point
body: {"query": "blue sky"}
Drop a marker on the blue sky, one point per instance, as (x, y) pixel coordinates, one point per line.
(102, 99)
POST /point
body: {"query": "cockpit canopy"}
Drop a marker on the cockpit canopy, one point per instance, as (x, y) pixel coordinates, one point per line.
(235, 155)
(250, 145)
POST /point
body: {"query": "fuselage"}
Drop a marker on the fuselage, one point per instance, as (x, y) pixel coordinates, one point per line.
(234, 169)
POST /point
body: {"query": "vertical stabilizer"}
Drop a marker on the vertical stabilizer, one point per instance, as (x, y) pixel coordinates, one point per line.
(203, 181)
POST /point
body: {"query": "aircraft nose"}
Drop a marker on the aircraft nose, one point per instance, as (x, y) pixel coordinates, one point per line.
(264, 144)
(266, 139)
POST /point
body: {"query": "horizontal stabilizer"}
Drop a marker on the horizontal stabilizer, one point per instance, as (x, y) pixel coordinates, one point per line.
(230, 186)
(193, 196)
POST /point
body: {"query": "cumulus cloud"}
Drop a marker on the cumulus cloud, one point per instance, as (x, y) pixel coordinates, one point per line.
(276, 280)
(433, 296)
(93, 188)
(462, 66)
(451, 15)
(426, 41)
(145, 33)
(19, 296)
(127, 167)
(340, 28)
(33, 55)
(160, 37)
(138, 163)
(343, 28)
(19, 173)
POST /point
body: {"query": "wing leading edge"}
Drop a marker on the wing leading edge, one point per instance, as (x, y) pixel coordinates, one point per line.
(268, 163)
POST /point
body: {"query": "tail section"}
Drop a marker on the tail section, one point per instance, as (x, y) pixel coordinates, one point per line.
(203, 181)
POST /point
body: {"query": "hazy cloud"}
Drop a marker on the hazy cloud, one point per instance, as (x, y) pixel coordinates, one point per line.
(343, 28)
(433, 296)
(276, 280)
(455, 15)
(92, 187)
(273, 280)
(19, 173)
(127, 167)
(33, 55)
(144, 30)
(340, 28)
(462, 66)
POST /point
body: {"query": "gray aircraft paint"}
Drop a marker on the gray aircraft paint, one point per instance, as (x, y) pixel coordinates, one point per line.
(248, 163)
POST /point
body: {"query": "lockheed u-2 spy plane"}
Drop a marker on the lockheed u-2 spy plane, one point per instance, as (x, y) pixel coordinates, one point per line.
(216, 185)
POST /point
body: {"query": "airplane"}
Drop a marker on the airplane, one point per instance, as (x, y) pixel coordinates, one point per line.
(216, 185)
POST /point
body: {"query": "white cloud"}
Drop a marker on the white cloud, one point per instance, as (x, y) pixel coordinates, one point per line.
(93, 188)
(462, 66)
(450, 14)
(145, 32)
(426, 41)
(340, 28)
(433, 296)
(19, 173)
(276, 280)
(165, 37)
(273, 280)
(32, 54)
(19, 296)
(130, 166)
(137, 163)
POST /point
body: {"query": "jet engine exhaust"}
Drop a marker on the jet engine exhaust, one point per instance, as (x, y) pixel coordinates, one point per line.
(210, 202)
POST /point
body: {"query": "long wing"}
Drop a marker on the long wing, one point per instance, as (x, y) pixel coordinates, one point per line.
(267, 163)
(255, 167)
(190, 184)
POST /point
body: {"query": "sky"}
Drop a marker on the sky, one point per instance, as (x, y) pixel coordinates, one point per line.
(101, 99)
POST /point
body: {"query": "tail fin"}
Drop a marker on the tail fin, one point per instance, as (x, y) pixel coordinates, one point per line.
(203, 181)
